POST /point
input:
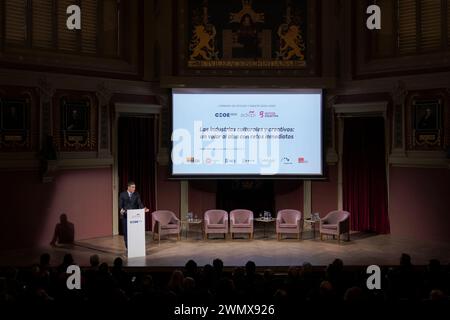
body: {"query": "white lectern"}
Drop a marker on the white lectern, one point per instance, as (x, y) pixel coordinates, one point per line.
(136, 233)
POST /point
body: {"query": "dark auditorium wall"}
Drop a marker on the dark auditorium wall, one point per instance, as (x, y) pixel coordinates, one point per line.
(31, 209)
(288, 194)
(418, 199)
(419, 203)
(115, 73)
(152, 62)
(324, 193)
(202, 196)
(167, 191)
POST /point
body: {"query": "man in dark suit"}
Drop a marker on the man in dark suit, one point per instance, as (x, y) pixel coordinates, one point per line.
(129, 199)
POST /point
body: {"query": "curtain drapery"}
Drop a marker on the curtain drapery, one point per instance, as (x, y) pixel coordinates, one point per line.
(137, 139)
(364, 174)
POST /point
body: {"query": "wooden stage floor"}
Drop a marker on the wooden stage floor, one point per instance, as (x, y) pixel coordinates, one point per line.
(363, 249)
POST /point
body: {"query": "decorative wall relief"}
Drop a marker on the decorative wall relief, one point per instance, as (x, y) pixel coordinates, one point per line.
(428, 117)
(18, 110)
(246, 34)
(427, 123)
(398, 98)
(14, 122)
(104, 95)
(76, 120)
(165, 122)
(45, 91)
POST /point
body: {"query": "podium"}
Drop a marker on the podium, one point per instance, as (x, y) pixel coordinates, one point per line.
(136, 233)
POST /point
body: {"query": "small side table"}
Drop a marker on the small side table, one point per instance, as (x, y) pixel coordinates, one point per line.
(188, 223)
(265, 221)
(314, 224)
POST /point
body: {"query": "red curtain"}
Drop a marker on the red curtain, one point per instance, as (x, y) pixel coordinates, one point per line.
(137, 139)
(364, 174)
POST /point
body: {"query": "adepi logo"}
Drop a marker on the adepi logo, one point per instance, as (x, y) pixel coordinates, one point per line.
(250, 114)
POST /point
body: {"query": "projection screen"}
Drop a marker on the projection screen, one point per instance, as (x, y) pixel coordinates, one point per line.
(247, 133)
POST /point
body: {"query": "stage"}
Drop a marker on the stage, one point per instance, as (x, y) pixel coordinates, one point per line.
(363, 249)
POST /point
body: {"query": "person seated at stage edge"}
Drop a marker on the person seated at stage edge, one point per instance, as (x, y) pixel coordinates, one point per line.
(64, 231)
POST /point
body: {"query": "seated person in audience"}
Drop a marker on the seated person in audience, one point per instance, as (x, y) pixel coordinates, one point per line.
(64, 231)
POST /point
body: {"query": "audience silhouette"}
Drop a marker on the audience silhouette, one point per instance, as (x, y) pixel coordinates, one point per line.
(42, 283)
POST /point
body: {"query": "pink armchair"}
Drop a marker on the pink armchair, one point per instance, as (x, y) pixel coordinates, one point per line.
(335, 223)
(241, 221)
(216, 221)
(289, 221)
(165, 222)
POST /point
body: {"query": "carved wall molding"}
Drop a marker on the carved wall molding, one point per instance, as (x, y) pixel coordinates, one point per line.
(420, 159)
(84, 136)
(45, 87)
(46, 92)
(330, 136)
(411, 82)
(21, 105)
(50, 168)
(231, 81)
(165, 124)
(440, 97)
(399, 94)
(104, 94)
(58, 81)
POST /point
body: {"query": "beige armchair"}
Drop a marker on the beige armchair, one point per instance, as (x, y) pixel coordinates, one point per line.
(241, 221)
(216, 221)
(165, 222)
(289, 221)
(335, 223)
